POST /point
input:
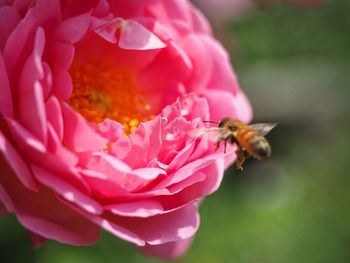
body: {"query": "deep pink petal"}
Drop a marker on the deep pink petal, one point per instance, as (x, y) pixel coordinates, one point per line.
(6, 107)
(62, 84)
(167, 251)
(27, 142)
(9, 18)
(15, 49)
(61, 54)
(66, 190)
(43, 214)
(16, 162)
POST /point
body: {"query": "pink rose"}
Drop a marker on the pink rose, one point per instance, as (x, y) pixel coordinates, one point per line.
(97, 101)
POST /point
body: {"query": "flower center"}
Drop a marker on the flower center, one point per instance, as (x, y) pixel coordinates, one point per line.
(103, 91)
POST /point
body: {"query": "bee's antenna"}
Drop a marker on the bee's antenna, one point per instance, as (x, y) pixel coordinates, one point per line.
(211, 122)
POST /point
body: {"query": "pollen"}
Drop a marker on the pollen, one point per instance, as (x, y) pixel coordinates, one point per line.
(102, 91)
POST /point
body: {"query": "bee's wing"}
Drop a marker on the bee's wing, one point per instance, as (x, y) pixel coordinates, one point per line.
(262, 128)
(212, 134)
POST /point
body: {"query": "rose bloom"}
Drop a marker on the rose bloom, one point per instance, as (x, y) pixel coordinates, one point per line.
(97, 103)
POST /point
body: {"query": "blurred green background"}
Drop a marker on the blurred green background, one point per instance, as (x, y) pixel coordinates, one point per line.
(294, 64)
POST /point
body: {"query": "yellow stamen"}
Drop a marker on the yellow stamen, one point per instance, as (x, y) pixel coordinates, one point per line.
(103, 91)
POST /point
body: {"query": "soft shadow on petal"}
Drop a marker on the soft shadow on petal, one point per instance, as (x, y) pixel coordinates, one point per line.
(36, 240)
(167, 251)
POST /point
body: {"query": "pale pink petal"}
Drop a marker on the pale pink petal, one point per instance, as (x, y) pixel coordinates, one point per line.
(191, 180)
(6, 107)
(78, 135)
(219, 110)
(202, 63)
(17, 164)
(102, 185)
(177, 225)
(167, 251)
(243, 107)
(54, 116)
(73, 29)
(200, 23)
(58, 150)
(31, 92)
(35, 118)
(143, 208)
(222, 75)
(118, 230)
(184, 172)
(109, 129)
(108, 30)
(134, 36)
(170, 10)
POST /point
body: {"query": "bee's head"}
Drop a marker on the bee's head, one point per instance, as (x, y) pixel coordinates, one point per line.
(223, 122)
(229, 124)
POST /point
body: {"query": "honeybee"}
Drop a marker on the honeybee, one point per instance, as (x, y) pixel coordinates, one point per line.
(249, 139)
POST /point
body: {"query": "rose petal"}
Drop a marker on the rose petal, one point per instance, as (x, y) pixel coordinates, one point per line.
(17, 164)
(66, 190)
(144, 208)
(43, 214)
(6, 107)
(78, 135)
(167, 251)
(134, 36)
(72, 30)
(9, 18)
(177, 225)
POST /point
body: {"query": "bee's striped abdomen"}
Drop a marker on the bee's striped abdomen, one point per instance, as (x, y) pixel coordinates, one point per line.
(254, 143)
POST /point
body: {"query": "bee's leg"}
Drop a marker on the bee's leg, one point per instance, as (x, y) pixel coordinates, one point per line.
(217, 145)
(240, 158)
(225, 143)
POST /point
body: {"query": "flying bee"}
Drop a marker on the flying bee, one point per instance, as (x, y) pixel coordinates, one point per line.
(249, 139)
